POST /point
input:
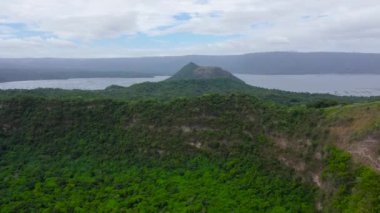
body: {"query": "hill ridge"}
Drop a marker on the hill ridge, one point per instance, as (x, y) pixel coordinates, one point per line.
(193, 71)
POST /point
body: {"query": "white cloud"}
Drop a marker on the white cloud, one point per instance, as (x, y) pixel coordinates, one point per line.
(278, 40)
(91, 27)
(324, 25)
(35, 47)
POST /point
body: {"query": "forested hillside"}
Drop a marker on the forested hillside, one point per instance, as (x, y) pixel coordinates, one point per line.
(189, 88)
(202, 132)
(202, 141)
(212, 153)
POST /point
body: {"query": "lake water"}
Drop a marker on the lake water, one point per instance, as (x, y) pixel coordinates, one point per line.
(358, 85)
(79, 83)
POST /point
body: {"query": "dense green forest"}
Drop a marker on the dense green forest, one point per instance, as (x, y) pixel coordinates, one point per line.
(212, 153)
(203, 141)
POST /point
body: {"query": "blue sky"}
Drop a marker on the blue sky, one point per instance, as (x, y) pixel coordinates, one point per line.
(134, 28)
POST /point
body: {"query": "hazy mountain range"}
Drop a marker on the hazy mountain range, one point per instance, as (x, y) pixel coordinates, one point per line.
(253, 63)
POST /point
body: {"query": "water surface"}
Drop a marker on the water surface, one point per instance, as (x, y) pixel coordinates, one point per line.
(357, 85)
(337, 84)
(79, 83)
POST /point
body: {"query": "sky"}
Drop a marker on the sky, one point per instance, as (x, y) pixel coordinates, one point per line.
(136, 28)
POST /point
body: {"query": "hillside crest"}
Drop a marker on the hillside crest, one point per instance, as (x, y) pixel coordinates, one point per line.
(194, 71)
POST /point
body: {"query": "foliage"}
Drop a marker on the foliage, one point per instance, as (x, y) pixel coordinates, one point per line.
(189, 88)
(357, 188)
(85, 153)
(193, 71)
(115, 156)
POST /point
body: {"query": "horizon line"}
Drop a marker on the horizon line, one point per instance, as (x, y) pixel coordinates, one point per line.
(190, 55)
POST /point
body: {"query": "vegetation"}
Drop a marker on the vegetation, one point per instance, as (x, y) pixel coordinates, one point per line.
(361, 119)
(192, 71)
(356, 188)
(190, 88)
(75, 155)
(211, 153)
(199, 145)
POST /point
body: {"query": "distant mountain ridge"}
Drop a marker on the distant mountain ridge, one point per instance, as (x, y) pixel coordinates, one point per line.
(193, 71)
(254, 63)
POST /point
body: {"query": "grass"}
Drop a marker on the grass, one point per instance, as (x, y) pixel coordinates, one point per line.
(359, 120)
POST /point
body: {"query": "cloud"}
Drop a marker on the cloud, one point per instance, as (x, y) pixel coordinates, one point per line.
(35, 46)
(91, 27)
(278, 40)
(75, 27)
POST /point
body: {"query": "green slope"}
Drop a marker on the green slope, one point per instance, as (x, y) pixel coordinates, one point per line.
(183, 155)
(203, 141)
(193, 71)
(189, 88)
(212, 153)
